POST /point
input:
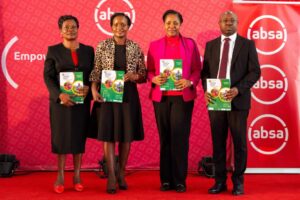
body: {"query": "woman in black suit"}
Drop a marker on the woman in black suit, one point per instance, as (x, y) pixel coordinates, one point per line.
(68, 120)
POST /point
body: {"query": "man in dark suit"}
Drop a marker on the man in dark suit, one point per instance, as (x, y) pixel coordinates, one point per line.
(233, 57)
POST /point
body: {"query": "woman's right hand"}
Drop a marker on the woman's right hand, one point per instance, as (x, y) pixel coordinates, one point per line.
(96, 96)
(159, 79)
(65, 99)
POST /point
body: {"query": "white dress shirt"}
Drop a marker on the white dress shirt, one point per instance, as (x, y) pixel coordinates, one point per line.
(230, 52)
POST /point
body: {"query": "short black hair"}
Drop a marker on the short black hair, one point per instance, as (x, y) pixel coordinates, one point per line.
(64, 18)
(228, 12)
(172, 12)
(120, 14)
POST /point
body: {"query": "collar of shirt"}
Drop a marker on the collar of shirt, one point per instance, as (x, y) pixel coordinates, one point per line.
(232, 38)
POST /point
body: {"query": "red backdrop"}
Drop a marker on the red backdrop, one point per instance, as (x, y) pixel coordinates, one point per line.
(28, 27)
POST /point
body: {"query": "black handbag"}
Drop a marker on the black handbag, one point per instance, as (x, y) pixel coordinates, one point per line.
(8, 165)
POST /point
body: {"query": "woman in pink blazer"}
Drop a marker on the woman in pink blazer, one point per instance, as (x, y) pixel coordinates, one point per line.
(173, 108)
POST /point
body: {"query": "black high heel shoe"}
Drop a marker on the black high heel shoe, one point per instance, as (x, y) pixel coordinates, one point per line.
(122, 183)
(111, 187)
(111, 190)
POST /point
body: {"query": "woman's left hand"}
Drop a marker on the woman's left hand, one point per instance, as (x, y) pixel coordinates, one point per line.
(182, 83)
(84, 91)
(130, 76)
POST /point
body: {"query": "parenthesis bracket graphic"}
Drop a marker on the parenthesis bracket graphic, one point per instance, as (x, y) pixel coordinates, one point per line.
(3, 62)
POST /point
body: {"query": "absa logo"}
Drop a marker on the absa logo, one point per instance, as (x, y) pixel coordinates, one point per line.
(268, 134)
(271, 86)
(271, 33)
(106, 8)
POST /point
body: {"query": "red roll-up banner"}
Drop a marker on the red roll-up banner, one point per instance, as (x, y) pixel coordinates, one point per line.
(274, 126)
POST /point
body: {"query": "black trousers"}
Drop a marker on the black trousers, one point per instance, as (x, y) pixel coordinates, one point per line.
(173, 118)
(236, 121)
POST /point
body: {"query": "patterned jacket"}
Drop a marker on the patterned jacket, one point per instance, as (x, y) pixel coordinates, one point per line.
(104, 59)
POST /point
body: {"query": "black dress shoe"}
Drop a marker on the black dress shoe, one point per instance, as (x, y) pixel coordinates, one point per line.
(180, 188)
(165, 187)
(217, 188)
(238, 189)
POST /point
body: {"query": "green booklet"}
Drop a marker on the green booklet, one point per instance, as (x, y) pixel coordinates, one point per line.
(171, 68)
(217, 88)
(112, 86)
(70, 83)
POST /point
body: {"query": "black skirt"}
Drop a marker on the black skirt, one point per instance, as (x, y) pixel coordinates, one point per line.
(119, 122)
(69, 127)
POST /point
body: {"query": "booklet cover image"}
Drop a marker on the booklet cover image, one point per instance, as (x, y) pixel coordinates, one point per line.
(71, 83)
(217, 88)
(172, 69)
(112, 86)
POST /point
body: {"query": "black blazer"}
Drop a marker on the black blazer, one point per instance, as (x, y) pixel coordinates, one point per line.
(59, 59)
(245, 68)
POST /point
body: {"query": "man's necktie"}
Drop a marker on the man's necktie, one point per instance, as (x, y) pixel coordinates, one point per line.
(224, 59)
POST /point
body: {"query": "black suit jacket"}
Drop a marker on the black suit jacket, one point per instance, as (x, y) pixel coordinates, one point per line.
(59, 59)
(245, 68)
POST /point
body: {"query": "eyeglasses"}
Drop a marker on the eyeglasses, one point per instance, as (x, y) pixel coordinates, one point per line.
(225, 21)
(66, 28)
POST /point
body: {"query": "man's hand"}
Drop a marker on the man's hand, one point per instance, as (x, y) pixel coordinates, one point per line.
(230, 94)
(208, 98)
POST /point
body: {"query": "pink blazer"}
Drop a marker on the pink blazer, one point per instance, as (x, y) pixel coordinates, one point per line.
(191, 68)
